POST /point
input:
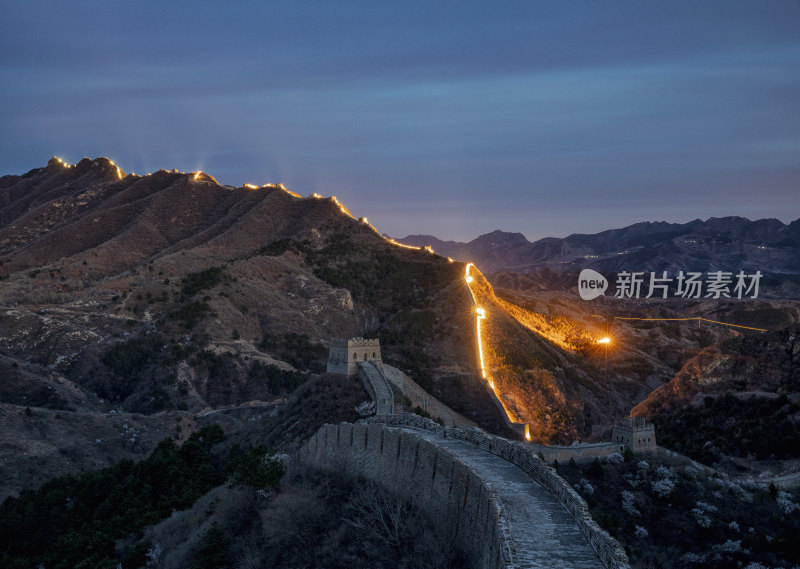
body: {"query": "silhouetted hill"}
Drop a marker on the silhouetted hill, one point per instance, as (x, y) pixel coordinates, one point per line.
(727, 244)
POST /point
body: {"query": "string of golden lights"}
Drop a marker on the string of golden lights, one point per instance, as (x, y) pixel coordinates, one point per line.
(692, 319)
(480, 315)
(469, 279)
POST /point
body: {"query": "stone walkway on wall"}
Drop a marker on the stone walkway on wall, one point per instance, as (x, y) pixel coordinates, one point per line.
(542, 532)
(384, 397)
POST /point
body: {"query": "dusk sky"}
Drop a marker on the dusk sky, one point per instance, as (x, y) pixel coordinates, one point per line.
(446, 118)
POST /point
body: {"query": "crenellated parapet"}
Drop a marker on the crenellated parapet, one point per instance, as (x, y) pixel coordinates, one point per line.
(363, 342)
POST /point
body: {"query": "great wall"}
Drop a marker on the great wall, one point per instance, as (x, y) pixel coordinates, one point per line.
(497, 499)
(381, 381)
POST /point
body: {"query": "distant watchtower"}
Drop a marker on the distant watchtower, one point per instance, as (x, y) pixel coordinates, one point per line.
(635, 433)
(345, 354)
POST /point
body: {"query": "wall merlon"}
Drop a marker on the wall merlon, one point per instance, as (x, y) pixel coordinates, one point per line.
(375, 437)
(359, 437)
(345, 436)
(363, 343)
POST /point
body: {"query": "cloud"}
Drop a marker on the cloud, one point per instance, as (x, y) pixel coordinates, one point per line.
(538, 105)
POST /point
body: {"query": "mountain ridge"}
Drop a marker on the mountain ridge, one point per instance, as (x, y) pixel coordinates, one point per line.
(167, 295)
(718, 243)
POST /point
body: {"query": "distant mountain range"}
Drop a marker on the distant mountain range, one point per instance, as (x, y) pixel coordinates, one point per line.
(726, 243)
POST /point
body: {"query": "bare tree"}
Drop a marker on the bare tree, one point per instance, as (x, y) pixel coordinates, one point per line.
(381, 516)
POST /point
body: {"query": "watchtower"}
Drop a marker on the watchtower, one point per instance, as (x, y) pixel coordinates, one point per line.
(635, 433)
(344, 355)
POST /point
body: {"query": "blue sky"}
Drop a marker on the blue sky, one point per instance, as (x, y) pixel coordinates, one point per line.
(447, 118)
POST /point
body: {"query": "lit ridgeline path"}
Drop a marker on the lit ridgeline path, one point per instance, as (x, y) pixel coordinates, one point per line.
(542, 532)
(511, 417)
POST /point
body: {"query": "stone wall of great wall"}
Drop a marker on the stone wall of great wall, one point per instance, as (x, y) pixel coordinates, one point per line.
(436, 480)
(578, 453)
(405, 386)
(524, 456)
(446, 489)
(432, 478)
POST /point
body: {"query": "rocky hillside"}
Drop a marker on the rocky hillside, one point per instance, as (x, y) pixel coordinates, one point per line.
(163, 297)
(764, 363)
(542, 351)
(735, 403)
(136, 307)
(131, 305)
